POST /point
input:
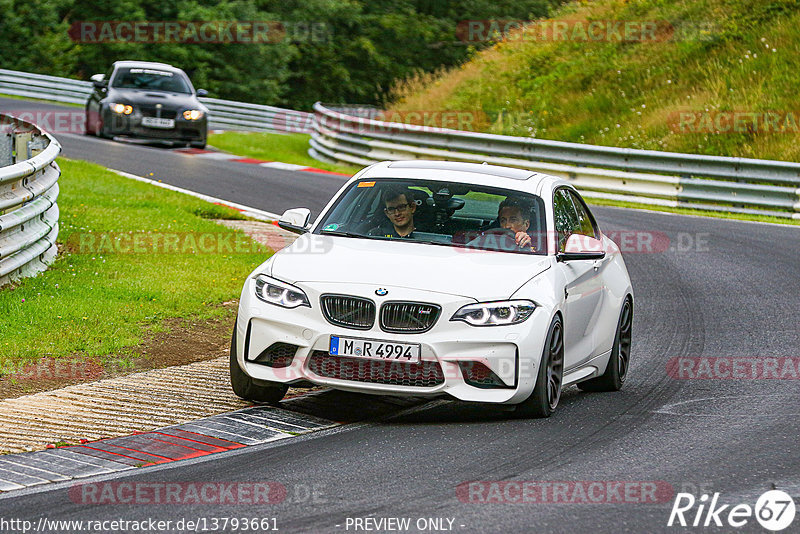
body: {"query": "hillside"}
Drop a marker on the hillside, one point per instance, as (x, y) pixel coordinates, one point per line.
(699, 76)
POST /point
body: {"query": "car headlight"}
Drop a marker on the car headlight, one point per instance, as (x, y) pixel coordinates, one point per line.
(122, 109)
(192, 114)
(495, 313)
(280, 293)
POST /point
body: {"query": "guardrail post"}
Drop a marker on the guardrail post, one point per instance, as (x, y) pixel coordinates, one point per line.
(38, 144)
(6, 147)
(21, 148)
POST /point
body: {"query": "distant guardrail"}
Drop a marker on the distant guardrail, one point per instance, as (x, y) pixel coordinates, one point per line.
(223, 114)
(714, 183)
(28, 194)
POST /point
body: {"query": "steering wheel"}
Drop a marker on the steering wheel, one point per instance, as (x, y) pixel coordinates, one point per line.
(497, 239)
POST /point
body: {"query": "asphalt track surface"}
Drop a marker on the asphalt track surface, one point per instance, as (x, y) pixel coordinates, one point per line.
(720, 289)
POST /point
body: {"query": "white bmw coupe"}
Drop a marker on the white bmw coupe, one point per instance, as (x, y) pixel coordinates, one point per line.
(430, 278)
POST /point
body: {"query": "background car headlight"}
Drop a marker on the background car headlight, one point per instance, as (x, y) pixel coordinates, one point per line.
(122, 109)
(280, 293)
(495, 313)
(192, 114)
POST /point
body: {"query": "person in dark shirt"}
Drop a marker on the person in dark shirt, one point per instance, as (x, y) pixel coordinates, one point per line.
(399, 208)
(514, 215)
(510, 231)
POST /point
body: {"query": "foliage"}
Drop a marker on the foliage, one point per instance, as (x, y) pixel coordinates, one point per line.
(713, 59)
(336, 51)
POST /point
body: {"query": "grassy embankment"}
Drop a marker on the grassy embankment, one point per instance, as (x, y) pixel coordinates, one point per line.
(709, 58)
(104, 295)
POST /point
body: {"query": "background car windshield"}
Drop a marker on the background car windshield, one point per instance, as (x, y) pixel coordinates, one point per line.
(151, 80)
(442, 213)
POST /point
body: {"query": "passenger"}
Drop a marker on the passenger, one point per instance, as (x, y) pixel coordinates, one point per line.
(515, 215)
(399, 207)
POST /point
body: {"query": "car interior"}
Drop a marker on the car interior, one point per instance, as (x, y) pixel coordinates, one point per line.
(446, 213)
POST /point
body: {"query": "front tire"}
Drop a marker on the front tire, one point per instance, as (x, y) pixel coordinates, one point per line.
(246, 388)
(547, 391)
(101, 129)
(617, 369)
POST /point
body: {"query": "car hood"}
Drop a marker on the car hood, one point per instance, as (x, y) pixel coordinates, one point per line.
(145, 97)
(483, 275)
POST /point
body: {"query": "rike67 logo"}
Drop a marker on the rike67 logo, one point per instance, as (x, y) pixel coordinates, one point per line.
(774, 510)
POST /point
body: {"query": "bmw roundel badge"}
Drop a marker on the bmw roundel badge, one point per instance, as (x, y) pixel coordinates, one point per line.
(381, 291)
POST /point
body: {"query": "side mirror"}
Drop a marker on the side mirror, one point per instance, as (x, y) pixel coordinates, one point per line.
(98, 82)
(295, 220)
(202, 92)
(581, 247)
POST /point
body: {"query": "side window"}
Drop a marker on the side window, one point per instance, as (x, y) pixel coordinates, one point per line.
(107, 77)
(566, 219)
(586, 225)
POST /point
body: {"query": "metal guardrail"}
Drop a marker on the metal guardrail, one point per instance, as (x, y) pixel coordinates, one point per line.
(712, 183)
(231, 115)
(223, 114)
(28, 193)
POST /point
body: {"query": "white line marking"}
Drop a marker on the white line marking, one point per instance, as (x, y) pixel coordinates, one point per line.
(285, 166)
(255, 213)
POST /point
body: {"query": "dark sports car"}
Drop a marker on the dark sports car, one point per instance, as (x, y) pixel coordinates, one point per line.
(147, 100)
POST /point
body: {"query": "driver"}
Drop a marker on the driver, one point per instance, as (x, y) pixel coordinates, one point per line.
(515, 215)
(399, 208)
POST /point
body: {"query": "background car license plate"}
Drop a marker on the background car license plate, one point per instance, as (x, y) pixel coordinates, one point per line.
(374, 349)
(156, 122)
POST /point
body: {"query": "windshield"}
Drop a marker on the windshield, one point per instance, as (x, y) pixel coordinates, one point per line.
(440, 213)
(151, 80)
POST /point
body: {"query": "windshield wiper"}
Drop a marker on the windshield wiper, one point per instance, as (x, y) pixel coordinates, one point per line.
(341, 233)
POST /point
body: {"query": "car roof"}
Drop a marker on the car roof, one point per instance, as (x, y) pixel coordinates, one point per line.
(145, 64)
(471, 173)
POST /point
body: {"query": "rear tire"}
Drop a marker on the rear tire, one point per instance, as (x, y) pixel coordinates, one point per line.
(244, 386)
(199, 144)
(88, 126)
(617, 369)
(547, 391)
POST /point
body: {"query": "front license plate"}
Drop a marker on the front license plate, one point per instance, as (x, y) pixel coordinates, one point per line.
(374, 350)
(155, 122)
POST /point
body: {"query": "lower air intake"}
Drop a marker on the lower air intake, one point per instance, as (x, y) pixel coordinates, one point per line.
(277, 355)
(422, 375)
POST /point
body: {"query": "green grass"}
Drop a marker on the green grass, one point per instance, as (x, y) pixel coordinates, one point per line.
(97, 302)
(29, 99)
(286, 148)
(713, 56)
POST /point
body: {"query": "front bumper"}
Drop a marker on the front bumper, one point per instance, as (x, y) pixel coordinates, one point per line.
(512, 353)
(131, 126)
